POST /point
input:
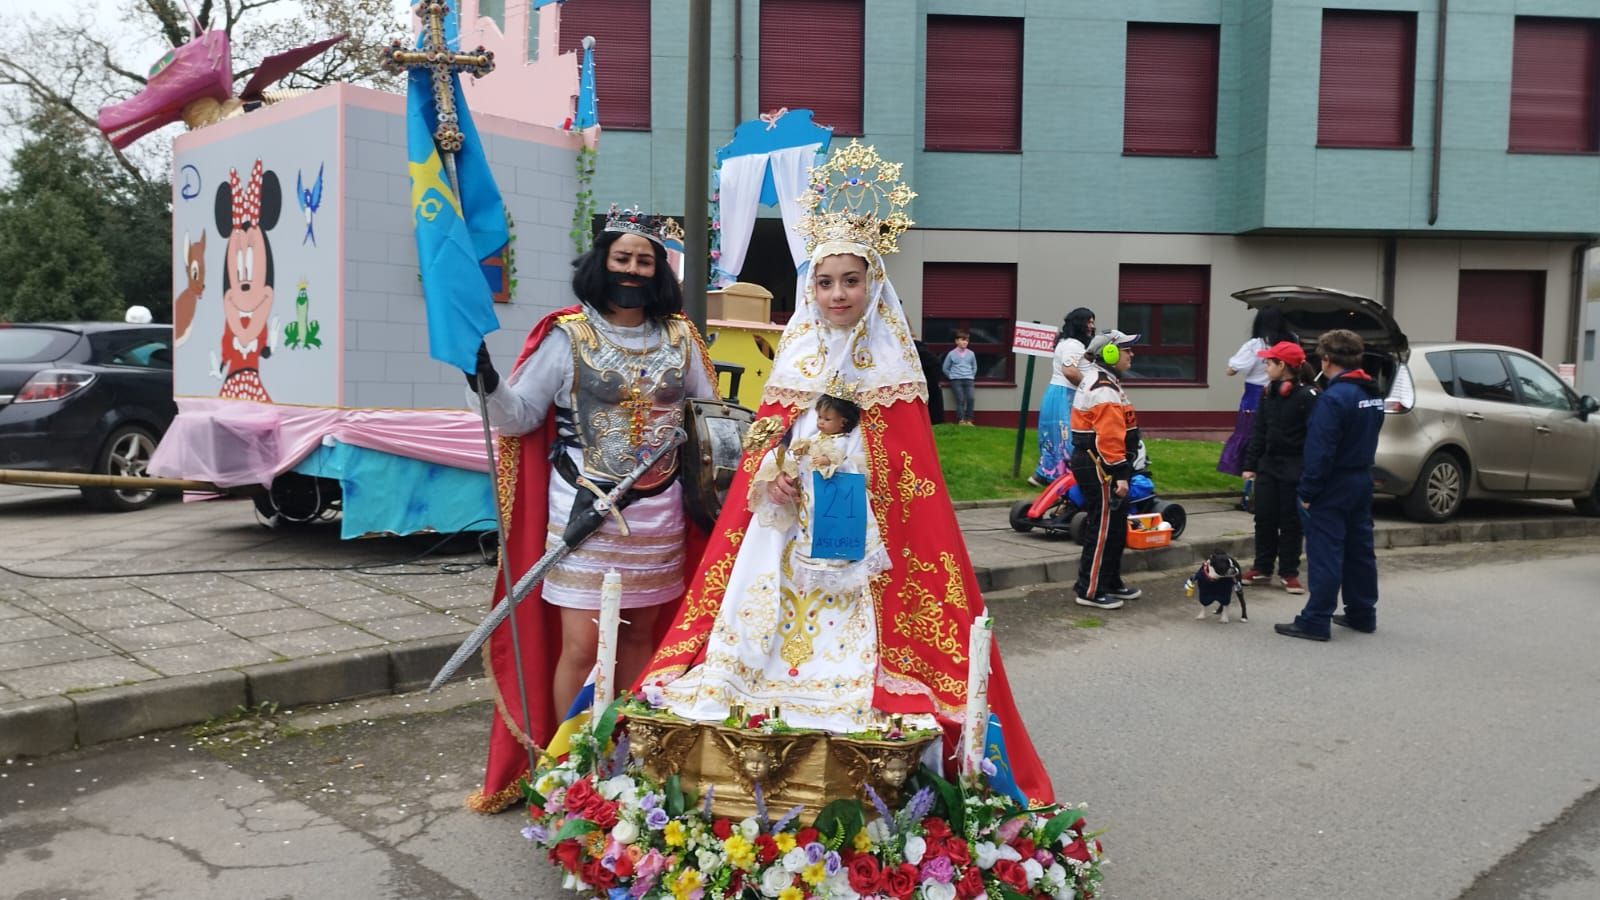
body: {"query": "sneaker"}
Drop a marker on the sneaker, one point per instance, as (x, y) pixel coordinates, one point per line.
(1293, 629)
(1293, 585)
(1125, 593)
(1253, 575)
(1098, 602)
(1034, 480)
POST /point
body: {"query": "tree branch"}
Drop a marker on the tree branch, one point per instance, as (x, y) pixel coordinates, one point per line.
(166, 13)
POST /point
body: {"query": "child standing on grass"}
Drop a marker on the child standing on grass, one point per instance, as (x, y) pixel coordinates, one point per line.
(1272, 461)
(961, 368)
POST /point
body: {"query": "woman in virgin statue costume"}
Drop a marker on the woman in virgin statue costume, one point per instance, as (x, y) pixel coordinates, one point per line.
(752, 631)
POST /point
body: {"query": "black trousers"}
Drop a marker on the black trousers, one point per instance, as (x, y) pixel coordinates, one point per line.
(1105, 533)
(1278, 529)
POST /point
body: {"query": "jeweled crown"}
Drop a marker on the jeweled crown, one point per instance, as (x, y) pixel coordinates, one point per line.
(856, 197)
(632, 221)
(842, 389)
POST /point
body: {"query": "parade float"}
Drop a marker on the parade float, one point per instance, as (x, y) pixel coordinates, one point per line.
(301, 362)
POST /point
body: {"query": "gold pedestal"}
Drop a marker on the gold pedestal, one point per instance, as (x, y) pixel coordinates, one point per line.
(793, 768)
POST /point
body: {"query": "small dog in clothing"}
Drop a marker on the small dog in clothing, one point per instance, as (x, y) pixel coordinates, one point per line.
(1217, 581)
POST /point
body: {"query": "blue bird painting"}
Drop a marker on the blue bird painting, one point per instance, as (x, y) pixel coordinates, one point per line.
(310, 201)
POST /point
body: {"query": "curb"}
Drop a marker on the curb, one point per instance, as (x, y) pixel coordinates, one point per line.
(53, 724)
(1386, 536)
(1005, 502)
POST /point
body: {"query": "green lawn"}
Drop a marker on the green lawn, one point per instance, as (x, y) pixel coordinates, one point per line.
(977, 463)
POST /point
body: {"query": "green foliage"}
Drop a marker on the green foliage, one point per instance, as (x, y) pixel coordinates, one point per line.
(840, 820)
(674, 792)
(80, 239)
(954, 806)
(582, 233)
(573, 828)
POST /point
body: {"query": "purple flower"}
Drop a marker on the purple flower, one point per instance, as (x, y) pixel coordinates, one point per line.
(649, 801)
(814, 852)
(831, 863)
(938, 868)
(656, 819)
(986, 765)
(535, 833)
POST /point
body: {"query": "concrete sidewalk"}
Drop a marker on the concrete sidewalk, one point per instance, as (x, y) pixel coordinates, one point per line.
(105, 648)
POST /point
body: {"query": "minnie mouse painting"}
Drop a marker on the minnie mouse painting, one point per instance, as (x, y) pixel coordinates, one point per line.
(244, 215)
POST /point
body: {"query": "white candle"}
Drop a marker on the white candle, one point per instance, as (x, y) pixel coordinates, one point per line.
(610, 620)
(976, 727)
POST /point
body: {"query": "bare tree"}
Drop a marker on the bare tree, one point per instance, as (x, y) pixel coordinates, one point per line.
(79, 64)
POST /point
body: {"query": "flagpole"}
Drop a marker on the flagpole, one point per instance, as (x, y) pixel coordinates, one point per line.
(434, 53)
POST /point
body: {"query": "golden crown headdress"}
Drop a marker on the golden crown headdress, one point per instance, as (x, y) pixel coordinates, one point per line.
(856, 197)
(842, 389)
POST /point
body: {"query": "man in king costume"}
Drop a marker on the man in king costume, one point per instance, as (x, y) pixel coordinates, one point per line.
(597, 386)
(749, 632)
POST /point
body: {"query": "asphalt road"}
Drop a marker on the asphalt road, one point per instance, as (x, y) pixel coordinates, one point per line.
(1451, 752)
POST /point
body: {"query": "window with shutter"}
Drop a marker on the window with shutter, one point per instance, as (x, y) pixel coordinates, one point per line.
(621, 30)
(1168, 306)
(1170, 102)
(811, 58)
(1554, 66)
(978, 298)
(1368, 75)
(974, 84)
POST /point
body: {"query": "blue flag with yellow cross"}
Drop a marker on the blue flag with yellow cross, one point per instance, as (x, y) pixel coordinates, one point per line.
(455, 234)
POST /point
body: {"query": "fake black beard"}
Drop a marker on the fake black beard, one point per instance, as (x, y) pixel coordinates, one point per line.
(626, 296)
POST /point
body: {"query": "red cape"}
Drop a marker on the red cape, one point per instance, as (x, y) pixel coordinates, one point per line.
(522, 486)
(925, 602)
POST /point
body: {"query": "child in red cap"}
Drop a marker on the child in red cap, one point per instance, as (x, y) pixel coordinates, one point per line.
(1272, 458)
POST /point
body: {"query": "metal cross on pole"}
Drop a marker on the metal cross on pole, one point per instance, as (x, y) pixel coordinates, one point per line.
(435, 54)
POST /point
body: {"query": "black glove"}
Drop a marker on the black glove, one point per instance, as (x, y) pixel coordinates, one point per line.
(491, 378)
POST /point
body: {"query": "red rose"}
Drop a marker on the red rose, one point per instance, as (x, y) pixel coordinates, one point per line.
(580, 795)
(970, 885)
(623, 866)
(956, 848)
(865, 877)
(568, 854)
(1077, 825)
(1076, 850)
(935, 828)
(722, 828)
(766, 849)
(807, 836)
(597, 875)
(1026, 847)
(901, 881)
(603, 813)
(1011, 872)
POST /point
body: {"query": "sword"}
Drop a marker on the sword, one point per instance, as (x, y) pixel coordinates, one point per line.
(583, 524)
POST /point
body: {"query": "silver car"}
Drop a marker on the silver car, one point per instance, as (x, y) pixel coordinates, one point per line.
(1464, 420)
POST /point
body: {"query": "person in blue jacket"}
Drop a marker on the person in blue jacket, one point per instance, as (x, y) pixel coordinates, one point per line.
(1335, 493)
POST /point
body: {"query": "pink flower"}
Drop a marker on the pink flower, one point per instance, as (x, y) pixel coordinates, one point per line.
(938, 869)
(1009, 831)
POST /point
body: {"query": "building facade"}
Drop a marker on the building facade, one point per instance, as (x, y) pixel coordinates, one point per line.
(1148, 158)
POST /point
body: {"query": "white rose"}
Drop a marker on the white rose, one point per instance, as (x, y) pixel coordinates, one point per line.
(986, 854)
(878, 831)
(625, 831)
(837, 886)
(1034, 870)
(1010, 852)
(774, 880)
(749, 829)
(1055, 876)
(572, 882)
(933, 890)
(612, 788)
(793, 861)
(915, 847)
(1065, 892)
(709, 860)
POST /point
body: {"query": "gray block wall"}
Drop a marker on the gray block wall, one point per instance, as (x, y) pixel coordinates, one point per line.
(386, 362)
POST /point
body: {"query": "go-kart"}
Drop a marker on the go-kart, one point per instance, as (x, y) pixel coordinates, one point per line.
(1059, 507)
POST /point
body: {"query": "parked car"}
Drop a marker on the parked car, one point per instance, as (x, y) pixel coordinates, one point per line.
(1464, 420)
(86, 397)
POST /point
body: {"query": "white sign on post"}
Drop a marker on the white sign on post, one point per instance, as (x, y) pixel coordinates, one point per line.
(1569, 374)
(1033, 339)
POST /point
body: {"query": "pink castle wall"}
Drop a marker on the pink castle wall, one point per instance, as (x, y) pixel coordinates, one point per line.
(539, 92)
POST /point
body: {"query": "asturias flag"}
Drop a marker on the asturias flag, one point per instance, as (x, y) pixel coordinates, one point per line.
(1003, 780)
(454, 234)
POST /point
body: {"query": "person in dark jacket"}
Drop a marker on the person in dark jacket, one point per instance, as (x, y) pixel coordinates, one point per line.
(931, 365)
(1272, 461)
(1335, 493)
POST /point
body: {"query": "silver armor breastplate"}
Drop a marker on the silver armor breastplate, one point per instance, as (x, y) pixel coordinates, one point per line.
(627, 402)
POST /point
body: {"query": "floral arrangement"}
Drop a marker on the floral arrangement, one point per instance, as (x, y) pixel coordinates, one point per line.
(619, 834)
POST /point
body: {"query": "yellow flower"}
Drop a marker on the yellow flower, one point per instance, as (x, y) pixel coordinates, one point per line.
(687, 882)
(785, 842)
(814, 873)
(862, 843)
(673, 834)
(741, 852)
(791, 893)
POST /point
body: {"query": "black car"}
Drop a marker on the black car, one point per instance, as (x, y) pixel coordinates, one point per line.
(85, 397)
